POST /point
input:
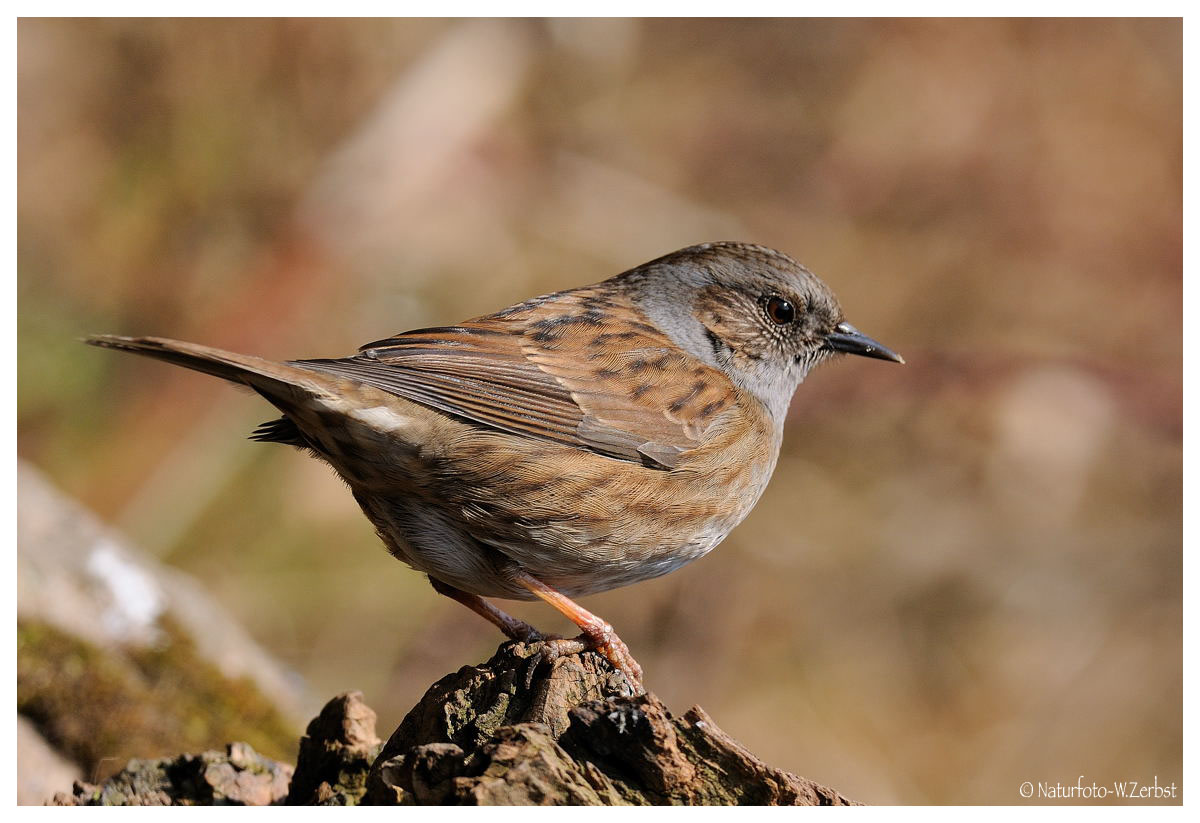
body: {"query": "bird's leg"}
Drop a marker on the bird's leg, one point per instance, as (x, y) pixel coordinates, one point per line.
(597, 633)
(512, 627)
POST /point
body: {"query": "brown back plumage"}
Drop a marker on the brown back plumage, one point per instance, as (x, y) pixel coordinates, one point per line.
(583, 368)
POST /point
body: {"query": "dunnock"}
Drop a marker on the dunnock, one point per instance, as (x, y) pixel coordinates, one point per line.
(573, 443)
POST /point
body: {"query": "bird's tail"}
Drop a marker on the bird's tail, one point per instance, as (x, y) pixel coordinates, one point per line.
(275, 381)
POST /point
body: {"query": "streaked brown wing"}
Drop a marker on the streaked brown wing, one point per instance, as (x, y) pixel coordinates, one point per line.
(580, 368)
(474, 372)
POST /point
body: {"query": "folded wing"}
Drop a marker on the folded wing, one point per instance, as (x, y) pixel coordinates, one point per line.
(581, 368)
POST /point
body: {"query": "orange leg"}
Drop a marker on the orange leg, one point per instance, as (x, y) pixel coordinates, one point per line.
(512, 627)
(597, 633)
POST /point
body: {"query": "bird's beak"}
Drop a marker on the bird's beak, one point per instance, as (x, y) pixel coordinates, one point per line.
(846, 338)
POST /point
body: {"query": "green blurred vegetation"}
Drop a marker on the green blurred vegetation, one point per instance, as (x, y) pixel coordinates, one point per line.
(966, 572)
(104, 707)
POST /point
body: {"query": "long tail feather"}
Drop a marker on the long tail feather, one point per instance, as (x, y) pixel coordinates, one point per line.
(269, 377)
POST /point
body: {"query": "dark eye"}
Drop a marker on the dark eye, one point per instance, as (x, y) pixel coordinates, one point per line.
(781, 311)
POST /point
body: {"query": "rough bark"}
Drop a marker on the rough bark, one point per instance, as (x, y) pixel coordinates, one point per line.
(335, 754)
(516, 730)
(238, 777)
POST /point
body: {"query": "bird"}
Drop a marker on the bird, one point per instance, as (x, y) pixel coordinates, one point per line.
(574, 443)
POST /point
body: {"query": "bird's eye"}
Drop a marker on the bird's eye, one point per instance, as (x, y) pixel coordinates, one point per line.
(781, 311)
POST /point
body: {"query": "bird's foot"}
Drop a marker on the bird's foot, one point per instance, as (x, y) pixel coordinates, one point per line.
(602, 640)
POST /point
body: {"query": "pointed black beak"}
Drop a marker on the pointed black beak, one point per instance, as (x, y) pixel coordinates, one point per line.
(846, 338)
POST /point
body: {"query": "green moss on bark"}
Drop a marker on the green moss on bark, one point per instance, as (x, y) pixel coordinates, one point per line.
(102, 707)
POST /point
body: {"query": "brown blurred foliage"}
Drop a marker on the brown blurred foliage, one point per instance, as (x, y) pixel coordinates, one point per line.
(966, 572)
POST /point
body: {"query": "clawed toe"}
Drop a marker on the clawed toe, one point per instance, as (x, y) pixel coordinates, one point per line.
(528, 634)
(608, 646)
(550, 648)
(614, 650)
(597, 634)
(606, 643)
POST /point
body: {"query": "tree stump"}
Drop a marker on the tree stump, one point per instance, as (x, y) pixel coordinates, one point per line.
(516, 730)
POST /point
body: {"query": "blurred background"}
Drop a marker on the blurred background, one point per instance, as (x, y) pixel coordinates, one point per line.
(966, 572)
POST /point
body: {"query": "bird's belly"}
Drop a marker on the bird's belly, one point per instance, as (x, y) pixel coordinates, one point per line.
(441, 545)
(653, 561)
(430, 541)
(469, 535)
(580, 522)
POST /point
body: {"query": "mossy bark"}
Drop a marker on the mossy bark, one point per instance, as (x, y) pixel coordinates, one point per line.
(516, 730)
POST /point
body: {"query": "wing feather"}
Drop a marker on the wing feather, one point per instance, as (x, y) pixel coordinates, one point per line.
(581, 368)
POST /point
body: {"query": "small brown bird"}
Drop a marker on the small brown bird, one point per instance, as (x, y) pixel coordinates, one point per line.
(574, 443)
